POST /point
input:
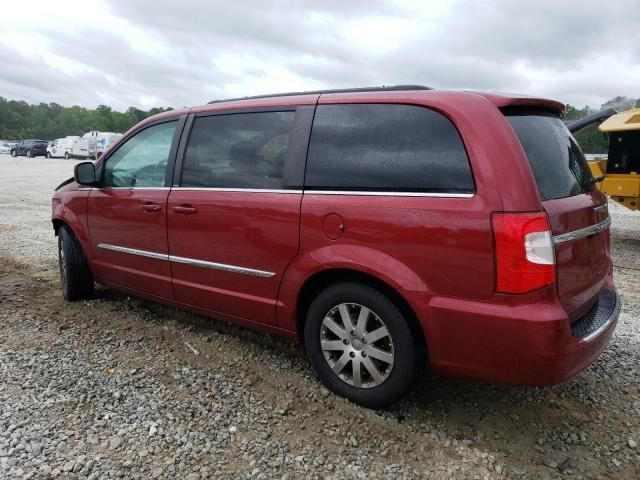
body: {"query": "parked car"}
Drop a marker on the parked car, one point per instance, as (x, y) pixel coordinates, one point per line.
(30, 148)
(5, 147)
(387, 229)
(62, 147)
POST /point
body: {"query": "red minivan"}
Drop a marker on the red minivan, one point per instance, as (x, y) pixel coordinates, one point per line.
(386, 228)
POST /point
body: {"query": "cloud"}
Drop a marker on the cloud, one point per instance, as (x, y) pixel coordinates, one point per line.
(164, 53)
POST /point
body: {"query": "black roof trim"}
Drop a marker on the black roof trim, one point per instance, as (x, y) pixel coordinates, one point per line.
(390, 88)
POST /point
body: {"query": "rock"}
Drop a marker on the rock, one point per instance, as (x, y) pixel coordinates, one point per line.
(157, 473)
(567, 464)
(116, 442)
(45, 470)
(632, 443)
(549, 462)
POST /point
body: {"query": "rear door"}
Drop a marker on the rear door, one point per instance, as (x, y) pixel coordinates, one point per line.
(233, 216)
(577, 212)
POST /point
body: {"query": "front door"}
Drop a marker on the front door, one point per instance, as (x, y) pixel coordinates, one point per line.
(233, 220)
(127, 214)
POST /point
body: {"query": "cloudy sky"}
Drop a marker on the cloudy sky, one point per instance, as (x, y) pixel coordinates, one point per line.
(149, 53)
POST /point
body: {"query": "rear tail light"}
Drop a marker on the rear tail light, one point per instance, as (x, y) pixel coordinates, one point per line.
(525, 259)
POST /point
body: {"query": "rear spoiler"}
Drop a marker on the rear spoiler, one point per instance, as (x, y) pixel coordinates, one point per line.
(585, 122)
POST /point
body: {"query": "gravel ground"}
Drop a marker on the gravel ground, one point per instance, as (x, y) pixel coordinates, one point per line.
(118, 387)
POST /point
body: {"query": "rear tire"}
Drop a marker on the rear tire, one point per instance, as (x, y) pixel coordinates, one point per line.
(75, 276)
(48, 155)
(382, 347)
(14, 153)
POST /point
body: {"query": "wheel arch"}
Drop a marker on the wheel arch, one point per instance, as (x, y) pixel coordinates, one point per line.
(76, 227)
(323, 279)
(57, 223)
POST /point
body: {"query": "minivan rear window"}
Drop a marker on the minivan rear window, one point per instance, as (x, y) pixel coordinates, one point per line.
(559, 167)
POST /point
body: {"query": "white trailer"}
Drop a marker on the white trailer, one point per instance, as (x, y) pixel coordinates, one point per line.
(93, 144)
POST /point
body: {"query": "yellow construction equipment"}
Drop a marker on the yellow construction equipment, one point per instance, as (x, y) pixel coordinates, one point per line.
(620, 170)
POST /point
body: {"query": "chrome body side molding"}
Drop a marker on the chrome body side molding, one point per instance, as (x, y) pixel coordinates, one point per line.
(134, 251)
(221, 266)
(189, 261)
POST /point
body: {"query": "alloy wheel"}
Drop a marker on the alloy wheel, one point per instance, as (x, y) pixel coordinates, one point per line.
(357, 345)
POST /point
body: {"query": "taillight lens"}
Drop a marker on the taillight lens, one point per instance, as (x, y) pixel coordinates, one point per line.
(525, 259)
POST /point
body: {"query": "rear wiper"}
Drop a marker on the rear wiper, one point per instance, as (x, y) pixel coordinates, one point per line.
(594, 180)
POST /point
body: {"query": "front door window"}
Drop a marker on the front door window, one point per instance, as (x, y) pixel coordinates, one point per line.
(142, 160)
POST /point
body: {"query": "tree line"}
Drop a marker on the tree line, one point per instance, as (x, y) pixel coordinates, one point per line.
(47, 121)
(20, 120)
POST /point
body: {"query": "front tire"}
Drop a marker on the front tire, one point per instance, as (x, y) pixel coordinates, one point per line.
(14, 153)
(75, 276)
(361, 345)
(66, 155)
(48, 154)
(29, 154)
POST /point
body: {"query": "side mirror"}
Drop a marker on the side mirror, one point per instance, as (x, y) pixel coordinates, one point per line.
(85, 174)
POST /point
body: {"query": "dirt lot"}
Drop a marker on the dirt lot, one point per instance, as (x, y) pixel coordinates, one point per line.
(118, 387)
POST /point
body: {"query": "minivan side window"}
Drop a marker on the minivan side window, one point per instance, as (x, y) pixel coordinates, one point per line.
(386, 148)
(142, 160)
(242, 150)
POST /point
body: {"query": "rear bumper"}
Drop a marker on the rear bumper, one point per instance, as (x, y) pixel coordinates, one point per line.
(600, 318)
(531, 343)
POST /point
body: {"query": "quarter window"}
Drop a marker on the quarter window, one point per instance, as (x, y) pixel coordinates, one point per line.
(386, 147)
(244, 150)
(142, 160)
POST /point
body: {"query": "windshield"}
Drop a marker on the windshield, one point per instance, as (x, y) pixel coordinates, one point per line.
(559, 167)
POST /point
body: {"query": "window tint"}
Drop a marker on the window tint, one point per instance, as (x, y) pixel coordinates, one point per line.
(386, 148)
(244, 150)
(558, 164)
(142, 160)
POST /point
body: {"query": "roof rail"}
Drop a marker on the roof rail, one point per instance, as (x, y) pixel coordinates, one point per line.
(390, 88)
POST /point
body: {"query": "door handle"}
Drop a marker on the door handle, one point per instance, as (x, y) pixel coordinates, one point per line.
(151, 207)
(185, 209)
